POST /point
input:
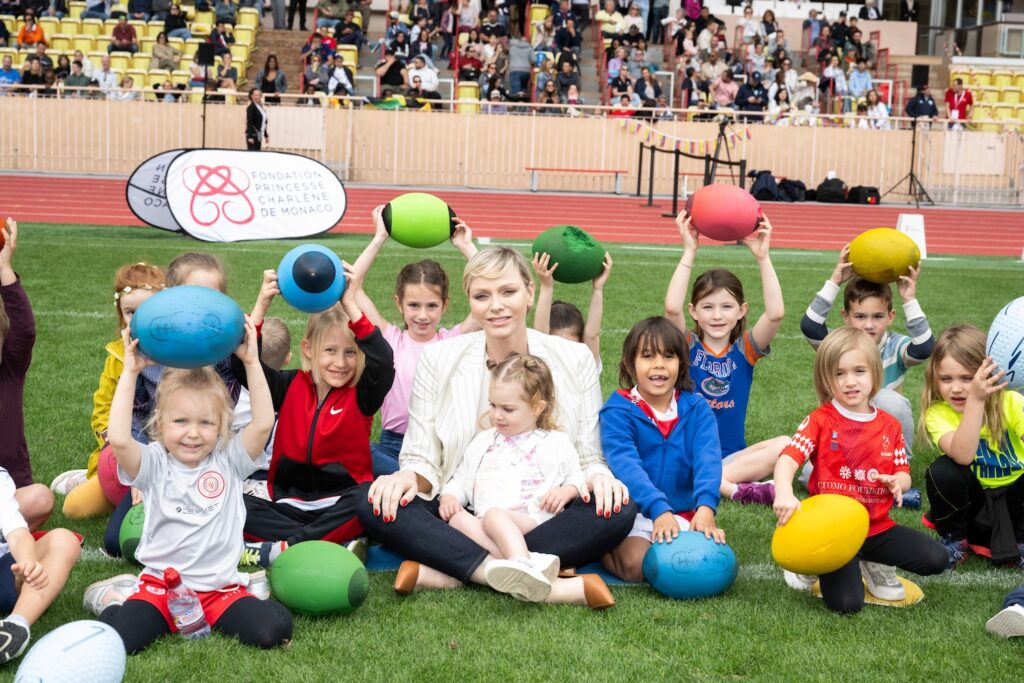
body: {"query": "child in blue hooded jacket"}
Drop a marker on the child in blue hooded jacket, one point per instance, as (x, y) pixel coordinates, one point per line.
(660, 440)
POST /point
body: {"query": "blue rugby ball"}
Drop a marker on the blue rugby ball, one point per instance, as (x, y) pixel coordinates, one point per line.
(311, 278)
(690, 567)
(188, 327)
(1006, 342)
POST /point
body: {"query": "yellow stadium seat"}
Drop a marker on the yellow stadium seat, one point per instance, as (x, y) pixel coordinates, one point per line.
(156, 77)
(229, 97)
(191, 45)
(8, 51)
(204, 18)
(108, 27)
(981, 77)
(1002, 78)
(120, 61)
(245, 35)
(189, 11)
(958, 73)
(95, 56)
(240, 54)
(1010, 95)
(1018, 79)
(50, 25)
(75, 9)
(463, 40)
(177, 42)
(119, 7)
(196, 96)
(153, 29)
(139, 76)
(60, 42)
(349, 55)
(539, 12)
(180, 77)
(1003, 112)
(146, 44)
(92, 27)
(102, 42)
(84, 43)
(70, 26)
(989, 94)
(468, 90)
(249, 17)
(357, 19)
(142, 60)
(199, 30)
(981, 114)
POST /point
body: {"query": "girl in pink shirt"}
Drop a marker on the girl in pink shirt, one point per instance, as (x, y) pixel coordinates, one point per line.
(421, 294)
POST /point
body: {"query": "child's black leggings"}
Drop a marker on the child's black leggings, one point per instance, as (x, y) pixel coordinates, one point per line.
(843, 590)
(260, 623)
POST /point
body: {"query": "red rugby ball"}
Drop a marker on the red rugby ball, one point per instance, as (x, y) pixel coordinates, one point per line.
(106, 471)
(723, 212)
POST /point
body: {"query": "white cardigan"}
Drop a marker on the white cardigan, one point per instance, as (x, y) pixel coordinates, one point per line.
(444, 410)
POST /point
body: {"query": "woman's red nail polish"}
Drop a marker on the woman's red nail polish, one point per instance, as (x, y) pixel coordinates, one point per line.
(404, 503)
(616, 508)
(376, 512)
(608, 514)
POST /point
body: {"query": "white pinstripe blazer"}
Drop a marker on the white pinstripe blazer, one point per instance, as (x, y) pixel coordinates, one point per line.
(444, 410)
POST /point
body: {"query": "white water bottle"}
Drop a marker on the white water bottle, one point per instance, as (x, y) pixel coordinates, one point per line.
(185, 607)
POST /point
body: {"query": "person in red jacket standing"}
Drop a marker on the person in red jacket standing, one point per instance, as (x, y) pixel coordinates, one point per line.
(320, 463)
(17, 337)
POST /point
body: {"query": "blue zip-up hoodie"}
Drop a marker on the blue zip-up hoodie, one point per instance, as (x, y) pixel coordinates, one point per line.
(674, 474)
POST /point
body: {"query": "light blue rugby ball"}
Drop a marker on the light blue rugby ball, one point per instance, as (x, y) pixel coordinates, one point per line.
(188, 327)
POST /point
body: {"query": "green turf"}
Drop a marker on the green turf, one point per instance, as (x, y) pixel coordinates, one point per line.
(760, 630)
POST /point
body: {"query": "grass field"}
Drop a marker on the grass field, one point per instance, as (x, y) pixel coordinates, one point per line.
(760, 630)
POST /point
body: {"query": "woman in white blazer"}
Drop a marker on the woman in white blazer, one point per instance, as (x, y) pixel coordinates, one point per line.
(449, 396)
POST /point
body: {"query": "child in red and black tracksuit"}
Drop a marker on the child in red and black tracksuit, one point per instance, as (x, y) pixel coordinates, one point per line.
(321, 464)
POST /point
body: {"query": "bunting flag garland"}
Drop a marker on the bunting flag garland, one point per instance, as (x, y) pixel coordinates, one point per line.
(699, 147)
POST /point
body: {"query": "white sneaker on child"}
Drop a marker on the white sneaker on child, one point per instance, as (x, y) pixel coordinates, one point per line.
(14, 637)
(112, 591)
(548, 565)
(882, 582)
(1008, 623)
(259, 585)
(519, 579)
(64, 482)
(800, 582)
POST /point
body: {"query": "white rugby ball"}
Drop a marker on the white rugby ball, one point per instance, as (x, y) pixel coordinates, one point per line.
(1006, 342)
(79, 652)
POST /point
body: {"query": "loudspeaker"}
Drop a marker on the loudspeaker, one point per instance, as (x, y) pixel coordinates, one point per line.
(205, 55)
(918, 75)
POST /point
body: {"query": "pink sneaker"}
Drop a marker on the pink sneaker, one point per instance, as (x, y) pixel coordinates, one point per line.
(759, 493)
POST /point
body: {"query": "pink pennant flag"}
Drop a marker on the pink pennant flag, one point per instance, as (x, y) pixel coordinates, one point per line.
(747, 131)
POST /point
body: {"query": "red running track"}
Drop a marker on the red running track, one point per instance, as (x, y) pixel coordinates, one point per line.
(91, 201)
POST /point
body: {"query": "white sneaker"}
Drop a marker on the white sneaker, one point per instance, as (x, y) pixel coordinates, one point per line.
(112, 591)
(882, 582)
(259, 585)
(519, 579)
(1009, 623)
(360, 547)
(256, 488)
(548, 565)
(65, 481)
(800, 582)
(14, 637)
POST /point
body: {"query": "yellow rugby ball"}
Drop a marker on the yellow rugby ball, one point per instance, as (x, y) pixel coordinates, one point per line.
(823, 535)
(883, 255)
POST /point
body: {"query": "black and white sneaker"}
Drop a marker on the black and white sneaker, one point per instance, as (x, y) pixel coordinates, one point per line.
(14, 639)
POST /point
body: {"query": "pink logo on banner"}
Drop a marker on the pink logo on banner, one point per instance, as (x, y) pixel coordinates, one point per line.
(216, 193)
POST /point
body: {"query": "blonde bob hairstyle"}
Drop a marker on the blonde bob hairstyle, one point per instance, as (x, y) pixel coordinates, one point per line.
(200, 380)
(533, 378)
(493, 263)
(316, 331)
(826, 361)
(966, 345)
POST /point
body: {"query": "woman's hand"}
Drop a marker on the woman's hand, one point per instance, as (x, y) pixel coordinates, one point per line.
(609, 494)
(390, 491)
(666, 528)
(784, 506)
(449, 506)
(545, 274)
(704, 522)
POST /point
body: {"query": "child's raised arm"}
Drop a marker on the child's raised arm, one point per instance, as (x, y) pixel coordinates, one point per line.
(546, 275)
(462, 239)
(592, 330)
(767, 325)
(675, 296)
(922, 341)
(256, 433)
(10, 235)
(268, 290)
(362, 267)
(812, 325)
(127, 450)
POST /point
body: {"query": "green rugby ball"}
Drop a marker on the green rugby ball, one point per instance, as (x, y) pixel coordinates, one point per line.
(318, 577)
(419, 220)
(579, 256)
(131, 532)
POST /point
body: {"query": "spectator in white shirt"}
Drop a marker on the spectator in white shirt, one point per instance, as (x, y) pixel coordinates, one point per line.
(878, 113)
(105, 78)
(427, 75)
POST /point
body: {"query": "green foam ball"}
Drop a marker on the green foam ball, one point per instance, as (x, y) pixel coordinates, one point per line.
(579, 256)
(318, 577)
(131, 532)
(419, 220)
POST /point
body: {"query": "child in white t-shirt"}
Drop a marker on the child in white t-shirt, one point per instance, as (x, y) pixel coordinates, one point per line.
(191, 478)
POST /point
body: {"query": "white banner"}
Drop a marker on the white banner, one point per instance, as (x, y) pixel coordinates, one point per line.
(146, 191)
(220, 195)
